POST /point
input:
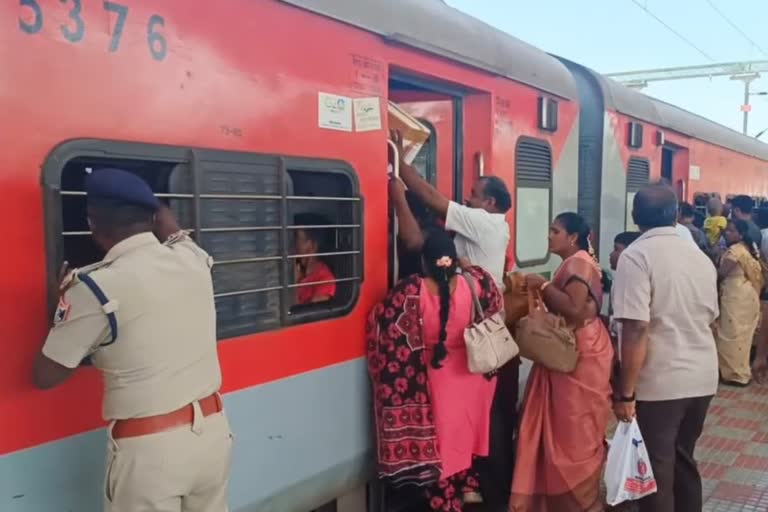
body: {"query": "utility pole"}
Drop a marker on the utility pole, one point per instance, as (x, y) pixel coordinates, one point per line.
(747, 72)
(746, 107)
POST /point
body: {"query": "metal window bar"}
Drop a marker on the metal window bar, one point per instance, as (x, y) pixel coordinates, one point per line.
(254, 291)
(329, 281)
(285, 269)
(234, 196)
(284, 228)
(243, 228)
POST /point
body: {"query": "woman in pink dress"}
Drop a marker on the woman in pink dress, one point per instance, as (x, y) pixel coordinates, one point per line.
(432, 414)
(561, 449)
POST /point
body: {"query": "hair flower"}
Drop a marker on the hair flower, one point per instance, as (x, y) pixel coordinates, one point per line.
(444, 262)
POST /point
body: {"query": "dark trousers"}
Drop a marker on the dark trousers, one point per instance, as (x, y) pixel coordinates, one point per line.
(670, 430)
(496, 470)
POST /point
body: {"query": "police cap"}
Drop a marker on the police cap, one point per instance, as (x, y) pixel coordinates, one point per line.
(120, 186)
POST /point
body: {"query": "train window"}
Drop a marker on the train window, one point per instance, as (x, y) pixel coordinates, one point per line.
(638, 175)
(533, 170)
(425, 161)
(242, 209)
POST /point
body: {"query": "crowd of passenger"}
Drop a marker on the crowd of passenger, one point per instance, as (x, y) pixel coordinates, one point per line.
(683, 306)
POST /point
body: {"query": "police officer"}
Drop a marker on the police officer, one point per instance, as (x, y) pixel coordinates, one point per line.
(145, 315)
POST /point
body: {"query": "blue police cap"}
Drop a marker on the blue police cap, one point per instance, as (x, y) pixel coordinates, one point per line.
(120, 186)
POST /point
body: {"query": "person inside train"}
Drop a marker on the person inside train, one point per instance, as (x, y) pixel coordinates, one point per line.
(685, 216)
(741, 281)
(418, 364)
(742, 207)
(311, 268)
(565, 416)
(482, 232)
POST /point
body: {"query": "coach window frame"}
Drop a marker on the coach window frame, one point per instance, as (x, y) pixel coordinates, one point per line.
(633, 189)
(530, 184)
(62, 154)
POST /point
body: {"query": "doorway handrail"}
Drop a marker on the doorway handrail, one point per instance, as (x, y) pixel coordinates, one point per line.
(395, 226)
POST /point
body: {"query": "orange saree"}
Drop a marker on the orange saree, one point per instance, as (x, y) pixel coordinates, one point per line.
(561, 448)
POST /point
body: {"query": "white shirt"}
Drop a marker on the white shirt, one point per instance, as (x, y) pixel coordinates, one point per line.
(481, 237)
(684, 232)
(671, 284)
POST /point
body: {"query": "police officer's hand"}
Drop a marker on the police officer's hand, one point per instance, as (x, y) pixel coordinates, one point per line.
(65, 280)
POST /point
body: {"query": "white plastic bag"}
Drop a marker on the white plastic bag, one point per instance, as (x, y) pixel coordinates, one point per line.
(628, 473)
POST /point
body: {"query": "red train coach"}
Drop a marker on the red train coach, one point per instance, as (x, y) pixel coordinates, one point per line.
(240, 115)
(627, 138)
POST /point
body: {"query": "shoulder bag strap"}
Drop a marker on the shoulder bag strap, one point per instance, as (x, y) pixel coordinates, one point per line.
(477, 307)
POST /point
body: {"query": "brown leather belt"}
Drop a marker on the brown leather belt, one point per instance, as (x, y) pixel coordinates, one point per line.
(136, 427)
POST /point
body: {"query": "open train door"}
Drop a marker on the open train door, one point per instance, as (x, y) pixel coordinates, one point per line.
(444, 108)
(675, 168)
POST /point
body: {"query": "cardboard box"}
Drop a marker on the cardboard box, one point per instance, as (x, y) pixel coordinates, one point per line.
(414, 133)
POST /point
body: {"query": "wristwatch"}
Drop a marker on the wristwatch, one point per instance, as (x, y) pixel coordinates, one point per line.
(624, 399)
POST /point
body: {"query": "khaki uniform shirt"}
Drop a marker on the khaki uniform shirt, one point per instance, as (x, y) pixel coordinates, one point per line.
(670, 283)
(165, 354)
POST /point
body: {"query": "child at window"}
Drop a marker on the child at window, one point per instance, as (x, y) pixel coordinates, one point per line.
(310, 268)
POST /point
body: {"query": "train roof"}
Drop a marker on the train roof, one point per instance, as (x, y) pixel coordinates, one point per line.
(435, 27)
(665, 115)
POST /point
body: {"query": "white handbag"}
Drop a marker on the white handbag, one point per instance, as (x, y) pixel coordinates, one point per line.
(489, 343)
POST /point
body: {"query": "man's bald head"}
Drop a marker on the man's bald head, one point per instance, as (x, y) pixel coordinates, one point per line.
(655, 206)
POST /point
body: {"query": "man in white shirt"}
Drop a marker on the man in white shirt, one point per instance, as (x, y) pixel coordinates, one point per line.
(482, 232)
(684, 233)
(665, 296)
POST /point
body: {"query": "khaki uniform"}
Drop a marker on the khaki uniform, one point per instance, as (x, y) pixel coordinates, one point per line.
(163, 358)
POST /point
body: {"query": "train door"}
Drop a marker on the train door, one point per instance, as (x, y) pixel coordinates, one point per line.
(443, 108)
(674, 169)
(440, 108)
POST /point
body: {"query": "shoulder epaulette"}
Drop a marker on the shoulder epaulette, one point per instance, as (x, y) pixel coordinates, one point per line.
(108, 306)
(177, 237)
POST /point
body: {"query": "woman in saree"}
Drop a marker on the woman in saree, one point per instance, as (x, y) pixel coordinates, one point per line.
(561, 449)
(432, 414)
(741, 281)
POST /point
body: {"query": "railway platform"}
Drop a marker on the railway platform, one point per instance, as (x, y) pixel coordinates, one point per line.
(733, 452)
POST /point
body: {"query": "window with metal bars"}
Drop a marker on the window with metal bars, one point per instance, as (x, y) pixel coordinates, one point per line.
(638, 176)
(533, 170)
(240, 208)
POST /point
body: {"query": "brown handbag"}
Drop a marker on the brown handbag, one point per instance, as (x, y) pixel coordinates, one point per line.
(516, 303)
(544, 338)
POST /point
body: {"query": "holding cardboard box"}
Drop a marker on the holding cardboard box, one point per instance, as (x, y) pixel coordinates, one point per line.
(414, 133)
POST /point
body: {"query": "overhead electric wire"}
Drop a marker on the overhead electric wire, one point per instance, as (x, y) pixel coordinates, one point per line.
(735, 27)
(678, 34)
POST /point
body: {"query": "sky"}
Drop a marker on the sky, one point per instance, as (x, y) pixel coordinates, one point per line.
(618, 35)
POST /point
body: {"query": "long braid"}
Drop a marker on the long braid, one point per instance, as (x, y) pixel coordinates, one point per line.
(440, 264)
(444, 288)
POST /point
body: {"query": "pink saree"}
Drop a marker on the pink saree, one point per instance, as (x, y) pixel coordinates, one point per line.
(561, 447)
